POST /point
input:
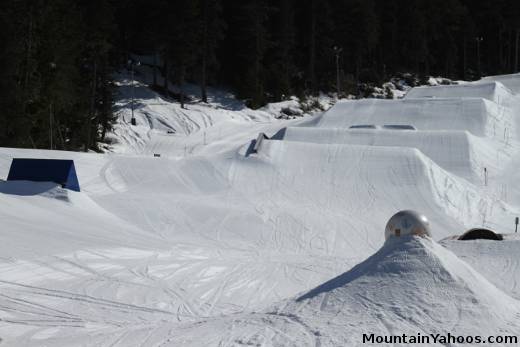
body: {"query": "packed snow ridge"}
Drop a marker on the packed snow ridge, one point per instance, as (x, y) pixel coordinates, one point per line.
(212, 244)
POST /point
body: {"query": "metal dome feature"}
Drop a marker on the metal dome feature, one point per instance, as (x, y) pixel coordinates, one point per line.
(407, 222)
(480, 234)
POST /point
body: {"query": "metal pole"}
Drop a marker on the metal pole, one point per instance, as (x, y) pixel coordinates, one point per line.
(50, 124)
(51, 117)
(337, 74)
(337, 51)
(479, 40)
(133, 92)
(516, 49)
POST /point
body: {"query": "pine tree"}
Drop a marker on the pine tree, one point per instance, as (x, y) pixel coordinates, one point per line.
(12, 53)
(49, 86)
(183, 41)
(246, 49)
(212, 28)
(98, 19)
(280, 66)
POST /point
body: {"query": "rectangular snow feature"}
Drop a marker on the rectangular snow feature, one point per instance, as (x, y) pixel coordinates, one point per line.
(492, 91)
(59, 171)
(479, 116)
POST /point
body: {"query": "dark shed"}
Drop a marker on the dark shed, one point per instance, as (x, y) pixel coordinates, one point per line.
(59, 171)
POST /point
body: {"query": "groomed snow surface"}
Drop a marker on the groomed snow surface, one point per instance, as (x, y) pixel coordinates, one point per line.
(208, 246)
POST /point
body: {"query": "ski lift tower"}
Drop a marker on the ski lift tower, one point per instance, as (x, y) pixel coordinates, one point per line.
(337, 52)
(132, 63)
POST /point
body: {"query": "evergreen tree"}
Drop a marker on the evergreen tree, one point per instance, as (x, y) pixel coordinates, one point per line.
(248, 42)
(212, 28)
(58, 58)
(183, 42)
(359, 35)
(48, 87)
(280, 66)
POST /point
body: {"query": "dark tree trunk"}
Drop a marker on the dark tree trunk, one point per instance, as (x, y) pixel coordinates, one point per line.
(258, 88)
(203, 72)
(509, 61)
(92, 108)
(60, 134)
(155, 63)
(181, 85)
(166, 69)
(312, 47)
(516, 49)
(464, 59)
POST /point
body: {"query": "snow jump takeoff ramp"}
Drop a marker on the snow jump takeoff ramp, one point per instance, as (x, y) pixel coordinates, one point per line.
(458, 152)
(510, 81)
(345, 182)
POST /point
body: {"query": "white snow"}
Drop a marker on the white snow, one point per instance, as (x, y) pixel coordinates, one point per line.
(459, 152)
(204, 246)
(493, 91)
(479, 116)
(510, 81)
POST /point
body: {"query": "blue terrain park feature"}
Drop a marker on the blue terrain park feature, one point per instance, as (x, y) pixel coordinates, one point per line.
(59, 171)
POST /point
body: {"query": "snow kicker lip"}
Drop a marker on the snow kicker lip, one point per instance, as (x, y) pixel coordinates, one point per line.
(510, 81)
(458, 152)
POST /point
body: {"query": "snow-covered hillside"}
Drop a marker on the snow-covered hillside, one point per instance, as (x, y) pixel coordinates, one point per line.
(222, 124)
(208, 246)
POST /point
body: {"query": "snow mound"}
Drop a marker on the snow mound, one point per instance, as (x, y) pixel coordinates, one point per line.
(29, 188)
(458, 152)
(58, 220)
(478, 116)
(492, 91)
(410, 285)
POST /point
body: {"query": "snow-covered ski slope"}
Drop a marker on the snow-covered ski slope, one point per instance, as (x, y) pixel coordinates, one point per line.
(164, 127)
(205, 246)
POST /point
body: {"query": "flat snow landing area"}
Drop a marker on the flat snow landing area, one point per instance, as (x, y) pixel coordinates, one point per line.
(204, 246)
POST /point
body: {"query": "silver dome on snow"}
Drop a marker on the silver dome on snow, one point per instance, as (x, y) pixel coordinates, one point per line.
(407, 222)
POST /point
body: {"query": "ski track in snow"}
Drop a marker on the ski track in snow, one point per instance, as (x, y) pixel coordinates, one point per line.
(206, 247)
